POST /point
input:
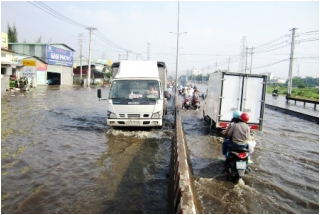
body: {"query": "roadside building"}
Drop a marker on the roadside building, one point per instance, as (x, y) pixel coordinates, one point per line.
(52, 61)
(96, 75)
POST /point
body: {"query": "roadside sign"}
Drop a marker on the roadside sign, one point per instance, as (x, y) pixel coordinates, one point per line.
(29, 71)
(28, 62)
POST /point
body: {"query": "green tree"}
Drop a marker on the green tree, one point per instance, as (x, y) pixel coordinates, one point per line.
(12, 34)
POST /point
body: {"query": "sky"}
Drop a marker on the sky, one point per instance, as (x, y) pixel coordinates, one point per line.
(213, 35)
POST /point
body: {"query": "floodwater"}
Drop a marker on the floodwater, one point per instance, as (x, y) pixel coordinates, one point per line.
(285, 173)
(58, 156)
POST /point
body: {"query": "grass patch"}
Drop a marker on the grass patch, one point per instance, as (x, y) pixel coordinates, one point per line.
(307, 93)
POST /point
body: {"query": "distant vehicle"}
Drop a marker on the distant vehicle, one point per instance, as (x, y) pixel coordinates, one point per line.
(228, 92)
(130, 103)
(184, 80)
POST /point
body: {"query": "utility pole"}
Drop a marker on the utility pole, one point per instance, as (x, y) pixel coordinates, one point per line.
(148, 51)
(216, 66)
(80, 41)
(298, 70)
(291, 62)
(91, 29)
(251, 59)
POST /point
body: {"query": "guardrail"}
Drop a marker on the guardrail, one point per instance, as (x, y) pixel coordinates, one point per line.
(295, 99)
(180, 194)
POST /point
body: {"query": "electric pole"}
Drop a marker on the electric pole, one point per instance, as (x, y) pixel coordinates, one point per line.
(91, 29)
(80, 41)
(148, 51)
(291, 62)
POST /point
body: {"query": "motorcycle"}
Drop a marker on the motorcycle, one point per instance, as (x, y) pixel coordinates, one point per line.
(275, 94)
(186, 104)
(180, 91)
(237, 162)
(196, 103)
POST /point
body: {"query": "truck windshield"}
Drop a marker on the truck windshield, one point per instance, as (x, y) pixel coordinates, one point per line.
(134, 89)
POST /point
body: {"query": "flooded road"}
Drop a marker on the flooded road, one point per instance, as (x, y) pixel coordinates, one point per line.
(285, 173)
(58, 156)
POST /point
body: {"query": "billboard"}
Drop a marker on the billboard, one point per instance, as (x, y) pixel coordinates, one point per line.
(58, 56)
(4, 40)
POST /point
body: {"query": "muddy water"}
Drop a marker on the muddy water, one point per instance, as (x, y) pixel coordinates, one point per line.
(58, 156)
(285, 173)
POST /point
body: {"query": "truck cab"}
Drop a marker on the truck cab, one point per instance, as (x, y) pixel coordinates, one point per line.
(137, 96)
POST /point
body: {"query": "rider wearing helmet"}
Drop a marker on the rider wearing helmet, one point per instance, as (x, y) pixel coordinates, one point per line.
(235, 118)
(238, 134)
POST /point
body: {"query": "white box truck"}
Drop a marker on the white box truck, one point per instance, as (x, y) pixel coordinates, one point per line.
(130, 102)
(228, 91)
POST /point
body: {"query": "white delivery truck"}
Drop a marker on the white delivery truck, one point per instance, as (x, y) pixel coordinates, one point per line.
(131, 103)
(228, 91)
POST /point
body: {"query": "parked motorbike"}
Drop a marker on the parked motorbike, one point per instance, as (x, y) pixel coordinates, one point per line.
(180, 91)
(237, 162)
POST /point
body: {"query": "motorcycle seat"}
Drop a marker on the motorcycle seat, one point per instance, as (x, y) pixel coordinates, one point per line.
(243, 148)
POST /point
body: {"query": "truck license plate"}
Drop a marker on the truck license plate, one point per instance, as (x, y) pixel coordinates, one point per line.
(133, 122)
(241, 165)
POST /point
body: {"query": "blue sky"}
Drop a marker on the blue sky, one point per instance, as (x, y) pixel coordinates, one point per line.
(214, 29)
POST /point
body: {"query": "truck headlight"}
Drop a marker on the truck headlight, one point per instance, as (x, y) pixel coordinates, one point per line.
(111, 115)
(156, 115)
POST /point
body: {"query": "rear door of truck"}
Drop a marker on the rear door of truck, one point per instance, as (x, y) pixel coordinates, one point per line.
(253, 101)
(230, 96)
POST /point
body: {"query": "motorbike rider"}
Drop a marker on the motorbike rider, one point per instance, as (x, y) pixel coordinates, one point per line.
(238, 134)
(235, 118)
(275, 91)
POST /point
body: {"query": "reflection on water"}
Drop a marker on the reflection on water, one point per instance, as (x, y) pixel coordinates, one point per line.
(284, 177)
(58, 156)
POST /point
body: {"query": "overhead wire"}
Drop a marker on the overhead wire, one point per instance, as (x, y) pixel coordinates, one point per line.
(56, 14)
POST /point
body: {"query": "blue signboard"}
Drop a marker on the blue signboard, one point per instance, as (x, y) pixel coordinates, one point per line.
(58, 56)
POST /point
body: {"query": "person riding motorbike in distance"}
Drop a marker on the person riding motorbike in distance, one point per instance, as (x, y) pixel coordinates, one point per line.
(275, 91)
(238, 134)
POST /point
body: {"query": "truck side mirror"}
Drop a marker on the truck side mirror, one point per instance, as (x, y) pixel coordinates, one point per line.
(166, 94)
(99, 94)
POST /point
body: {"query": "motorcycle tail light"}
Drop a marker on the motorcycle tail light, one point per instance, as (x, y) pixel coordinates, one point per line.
(254, 127)
(242, 155)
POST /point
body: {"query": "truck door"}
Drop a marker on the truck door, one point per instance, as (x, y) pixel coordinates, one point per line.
(253, 98)
(230, 96)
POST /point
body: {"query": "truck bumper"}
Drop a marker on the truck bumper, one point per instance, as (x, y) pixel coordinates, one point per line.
(134, 122)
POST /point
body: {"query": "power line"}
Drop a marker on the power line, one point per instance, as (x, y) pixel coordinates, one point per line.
(58, 15)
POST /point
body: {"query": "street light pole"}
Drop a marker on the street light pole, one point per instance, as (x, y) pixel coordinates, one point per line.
(177, 56)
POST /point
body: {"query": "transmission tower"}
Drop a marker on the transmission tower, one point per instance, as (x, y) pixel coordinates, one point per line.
(148, 52)
(242, 54)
